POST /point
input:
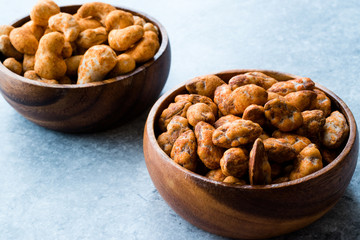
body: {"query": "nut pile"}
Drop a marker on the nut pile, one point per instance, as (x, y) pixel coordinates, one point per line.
(252, 130)
(98, 42)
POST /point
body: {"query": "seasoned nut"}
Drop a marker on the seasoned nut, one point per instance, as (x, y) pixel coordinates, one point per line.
(216, 175)
(118, 19)
(195, 98)
(184, 150)
(301, 99)
(298, 142)
(200, 112)
(208, 153)
(96, 10)
(5, 29)
(204, 85)
(234, 162)
(28, 62)
(256, 78)
(123, 39)
(297, 84)
(7, 49)
(279, 150)
(124, 64)
(259, 167)
(13, 65)
(139, 21)
(236, 133)
(87, 23)
(98, 61)
(146, 48)
(91, 37)
(234, 180)
(282, 115)
(37, 31)
(244, 96)
(65, 80)
(225, 119)
(313, 122)
(335, 130)
(308, 161)
(24, 40)
(272, 95)
(255, 113)
(174, 109)
(276, 169)
(31, 74)
(42, 11)
(65, 23)
(175, 128)
(151, 27)
(221, 96)
(321, 102)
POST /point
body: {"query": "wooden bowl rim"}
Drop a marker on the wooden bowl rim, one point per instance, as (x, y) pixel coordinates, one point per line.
(341, 157)
(163, 46)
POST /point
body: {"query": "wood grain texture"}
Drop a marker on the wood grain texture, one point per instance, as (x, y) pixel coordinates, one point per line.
(248, 212)
(93, 106)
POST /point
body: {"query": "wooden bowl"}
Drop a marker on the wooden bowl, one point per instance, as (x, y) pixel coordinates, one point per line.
(249, 212)
(92, 106)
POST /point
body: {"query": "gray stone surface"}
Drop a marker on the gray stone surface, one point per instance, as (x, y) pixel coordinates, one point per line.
(96, 186)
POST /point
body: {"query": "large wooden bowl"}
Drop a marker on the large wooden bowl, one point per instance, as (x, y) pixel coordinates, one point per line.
(250, 212)
(93, 106)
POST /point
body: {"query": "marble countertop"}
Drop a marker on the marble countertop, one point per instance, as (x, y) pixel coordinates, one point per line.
(96, 186)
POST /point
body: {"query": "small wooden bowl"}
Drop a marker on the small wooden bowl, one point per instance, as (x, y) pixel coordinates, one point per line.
(92, 106)
(249, 212)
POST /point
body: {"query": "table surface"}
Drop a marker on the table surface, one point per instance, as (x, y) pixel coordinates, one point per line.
(96, 186)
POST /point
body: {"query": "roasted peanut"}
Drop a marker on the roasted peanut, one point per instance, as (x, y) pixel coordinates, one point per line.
(200, 112)
(123, 39)
(24, 40)
(98, 61)
(279, 150)
(236, 133)
(7, 49)
(259, 166)
(308, 161)
(174, 109)
(118, 19)
(208, 153)
(42, 11)
(225, 119)
(301, 99)
(216, 175)
(65, 23)
(335, 130)
(234, 180)
(255, 113)
(175, 128)
(321, 102)
(221, 96)
(286, 87)
(313, 122)
(297, 141)
(97, 10)
(282, 115)
(49, 63)
(204, 85)
(146, 48)
(91, 37)
(184, 150)
(234, 162)
(124, 64)
(244, 96)
(13, 65)
(256, 78)
(195, 98)
(5, 29)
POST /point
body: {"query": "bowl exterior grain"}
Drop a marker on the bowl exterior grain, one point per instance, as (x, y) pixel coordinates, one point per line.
(248, 212)
(94, 106)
